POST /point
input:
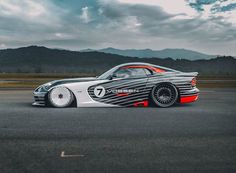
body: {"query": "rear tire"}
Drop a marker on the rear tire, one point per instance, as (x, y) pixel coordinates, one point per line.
(164, 95)
(60, 97)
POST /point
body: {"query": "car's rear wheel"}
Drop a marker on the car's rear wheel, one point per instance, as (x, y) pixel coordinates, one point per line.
(60, 97)
(164, 95)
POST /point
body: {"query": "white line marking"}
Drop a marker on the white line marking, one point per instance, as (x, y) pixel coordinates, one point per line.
(77, 155)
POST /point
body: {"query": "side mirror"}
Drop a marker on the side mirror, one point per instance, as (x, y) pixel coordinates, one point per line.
(112, 76)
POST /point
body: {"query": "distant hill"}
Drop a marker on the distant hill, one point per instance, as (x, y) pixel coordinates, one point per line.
(148, 53)
(44, 60)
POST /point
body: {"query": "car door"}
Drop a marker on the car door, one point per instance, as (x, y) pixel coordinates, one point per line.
(126, 87)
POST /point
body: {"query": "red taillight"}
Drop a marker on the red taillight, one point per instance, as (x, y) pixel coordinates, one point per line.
(194, 82)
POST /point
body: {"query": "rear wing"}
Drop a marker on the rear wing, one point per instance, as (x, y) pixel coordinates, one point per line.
(187, 74)
(191, 73)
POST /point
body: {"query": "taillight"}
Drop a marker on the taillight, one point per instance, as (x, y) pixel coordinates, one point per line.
(194, 82)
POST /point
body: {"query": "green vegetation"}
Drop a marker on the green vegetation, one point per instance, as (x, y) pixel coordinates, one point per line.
(43, 60)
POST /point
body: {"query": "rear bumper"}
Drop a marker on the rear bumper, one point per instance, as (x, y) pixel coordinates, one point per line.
(39, 99)
(188, 99)
(189, 96)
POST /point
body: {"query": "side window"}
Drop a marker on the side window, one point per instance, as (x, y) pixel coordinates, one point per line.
(122, 73)
(138, 72)
(130, 72)
(147, 71)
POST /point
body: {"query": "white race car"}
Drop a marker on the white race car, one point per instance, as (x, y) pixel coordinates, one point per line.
(131, 84)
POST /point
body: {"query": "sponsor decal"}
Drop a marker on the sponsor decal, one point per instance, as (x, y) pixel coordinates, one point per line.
(100, 91)
(117, 91)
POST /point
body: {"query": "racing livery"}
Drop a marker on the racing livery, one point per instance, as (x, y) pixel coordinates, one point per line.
(128, 85)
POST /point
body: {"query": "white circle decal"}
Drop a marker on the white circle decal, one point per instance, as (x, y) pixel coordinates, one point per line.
(99, 91)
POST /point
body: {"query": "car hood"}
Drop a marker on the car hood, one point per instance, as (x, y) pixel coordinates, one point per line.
(72, 80)
(47, 86)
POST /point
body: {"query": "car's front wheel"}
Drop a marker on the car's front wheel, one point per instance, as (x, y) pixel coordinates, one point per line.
(60, 97)
(164, 95)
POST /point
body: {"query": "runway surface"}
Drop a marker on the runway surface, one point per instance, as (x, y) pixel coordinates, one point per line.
(197, 137)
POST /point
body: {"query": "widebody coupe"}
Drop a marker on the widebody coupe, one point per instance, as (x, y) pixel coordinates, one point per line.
(126, 85)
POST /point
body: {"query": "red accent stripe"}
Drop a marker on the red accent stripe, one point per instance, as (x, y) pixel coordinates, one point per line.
(142, 103)
(122, 94)
(188, 99)
(155, 69)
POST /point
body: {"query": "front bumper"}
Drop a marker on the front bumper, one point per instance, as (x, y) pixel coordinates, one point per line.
(39, 99)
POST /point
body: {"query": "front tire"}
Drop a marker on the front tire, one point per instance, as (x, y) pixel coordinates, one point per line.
(164, 95)
(60, 97)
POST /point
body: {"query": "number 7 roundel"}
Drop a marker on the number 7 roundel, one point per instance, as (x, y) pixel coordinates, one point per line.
(99, 91)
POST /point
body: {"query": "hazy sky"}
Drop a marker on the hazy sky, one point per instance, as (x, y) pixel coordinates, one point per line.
(204, 25)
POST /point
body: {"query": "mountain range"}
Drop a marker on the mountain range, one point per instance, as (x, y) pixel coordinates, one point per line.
(149, 53)
(35, 59)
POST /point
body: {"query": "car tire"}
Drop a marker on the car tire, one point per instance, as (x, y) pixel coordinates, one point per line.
(164, 95)
(60, 97)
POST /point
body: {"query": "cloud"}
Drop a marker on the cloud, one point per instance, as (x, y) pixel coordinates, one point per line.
(215, 5)
(172, 8)
(85, 16)
(27, 10)
(215, 8)
(155, 24)
(2, 46)
(26, 21)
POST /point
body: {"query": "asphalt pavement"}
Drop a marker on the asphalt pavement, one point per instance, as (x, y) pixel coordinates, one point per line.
(197, 137)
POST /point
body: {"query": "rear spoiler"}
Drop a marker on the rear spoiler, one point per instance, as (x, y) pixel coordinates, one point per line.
(188, 74)
(193, 73)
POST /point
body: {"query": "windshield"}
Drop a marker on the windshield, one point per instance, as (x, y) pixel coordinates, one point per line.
(107, 73)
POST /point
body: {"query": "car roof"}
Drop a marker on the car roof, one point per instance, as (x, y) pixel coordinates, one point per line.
(145, 64)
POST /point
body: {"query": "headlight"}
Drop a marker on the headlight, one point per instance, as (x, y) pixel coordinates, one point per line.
(44, 87)
(47, 86)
